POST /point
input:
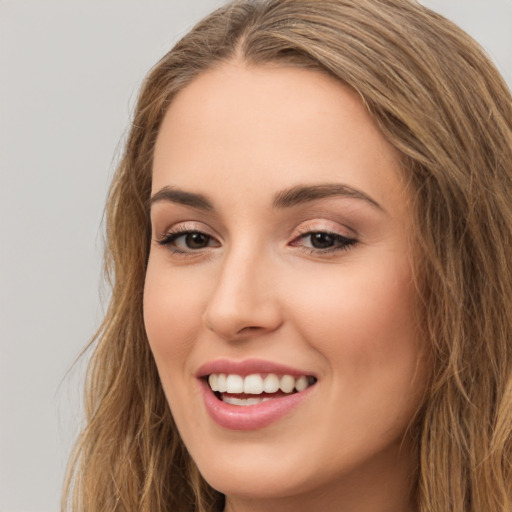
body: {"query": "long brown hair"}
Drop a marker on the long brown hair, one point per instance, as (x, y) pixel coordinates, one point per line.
(438, 99)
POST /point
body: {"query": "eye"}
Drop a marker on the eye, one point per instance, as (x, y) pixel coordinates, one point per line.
(187, 241)
(322, 242)
(194, 240)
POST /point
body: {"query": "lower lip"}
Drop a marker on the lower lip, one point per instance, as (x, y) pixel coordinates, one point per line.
(250, 417)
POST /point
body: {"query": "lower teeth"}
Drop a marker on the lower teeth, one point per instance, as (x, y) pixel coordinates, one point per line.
(244, 401)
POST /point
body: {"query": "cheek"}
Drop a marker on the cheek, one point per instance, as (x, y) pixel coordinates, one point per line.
(361, 319)
(362, 324)
(172, 314)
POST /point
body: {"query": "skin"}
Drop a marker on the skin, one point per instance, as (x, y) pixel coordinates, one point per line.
(258, 288)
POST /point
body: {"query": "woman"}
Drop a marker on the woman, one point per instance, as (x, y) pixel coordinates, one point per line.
(307, 241)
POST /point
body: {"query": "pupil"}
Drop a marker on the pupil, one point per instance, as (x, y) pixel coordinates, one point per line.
(197, 240)
(322, 240)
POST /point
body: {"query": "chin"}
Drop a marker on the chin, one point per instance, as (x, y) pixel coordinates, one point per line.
(257, 479)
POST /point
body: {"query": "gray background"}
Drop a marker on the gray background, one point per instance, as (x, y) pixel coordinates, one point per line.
(69, 74)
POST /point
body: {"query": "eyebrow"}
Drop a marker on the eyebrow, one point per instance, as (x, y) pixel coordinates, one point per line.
(288, 198)
(176, 195)
(306, 193)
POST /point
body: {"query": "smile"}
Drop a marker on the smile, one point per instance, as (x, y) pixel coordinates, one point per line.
(233, 389)
(252, 394)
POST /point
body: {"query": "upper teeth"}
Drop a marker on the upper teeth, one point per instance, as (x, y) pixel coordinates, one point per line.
(255, 384)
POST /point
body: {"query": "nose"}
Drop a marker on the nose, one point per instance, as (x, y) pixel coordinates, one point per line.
(243, 303)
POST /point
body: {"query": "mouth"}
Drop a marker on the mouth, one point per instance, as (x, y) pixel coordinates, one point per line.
(253, 393)
(256, 388)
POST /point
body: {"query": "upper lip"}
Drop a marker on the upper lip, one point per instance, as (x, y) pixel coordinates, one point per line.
(248, 367)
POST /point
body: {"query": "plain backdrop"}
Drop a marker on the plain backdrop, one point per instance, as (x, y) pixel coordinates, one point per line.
(69, 76)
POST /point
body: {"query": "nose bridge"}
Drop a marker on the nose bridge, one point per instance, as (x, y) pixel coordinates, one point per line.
(243, 299)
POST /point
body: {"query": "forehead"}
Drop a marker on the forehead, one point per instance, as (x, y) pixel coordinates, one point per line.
(271, 127)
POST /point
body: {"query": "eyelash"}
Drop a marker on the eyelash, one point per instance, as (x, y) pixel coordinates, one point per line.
(343, 243)
(167, 240)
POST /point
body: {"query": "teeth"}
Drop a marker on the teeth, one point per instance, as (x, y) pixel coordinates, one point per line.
(255, 384)
(271, 383)
(301, 383)
(234, 384)
(222, 385)
(287, 383)
(244, 401)
(213, 380)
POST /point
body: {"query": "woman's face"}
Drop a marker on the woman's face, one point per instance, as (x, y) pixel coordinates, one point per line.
(280, 260)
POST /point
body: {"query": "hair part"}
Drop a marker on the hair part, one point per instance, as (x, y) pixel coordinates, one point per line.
(438, 99)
